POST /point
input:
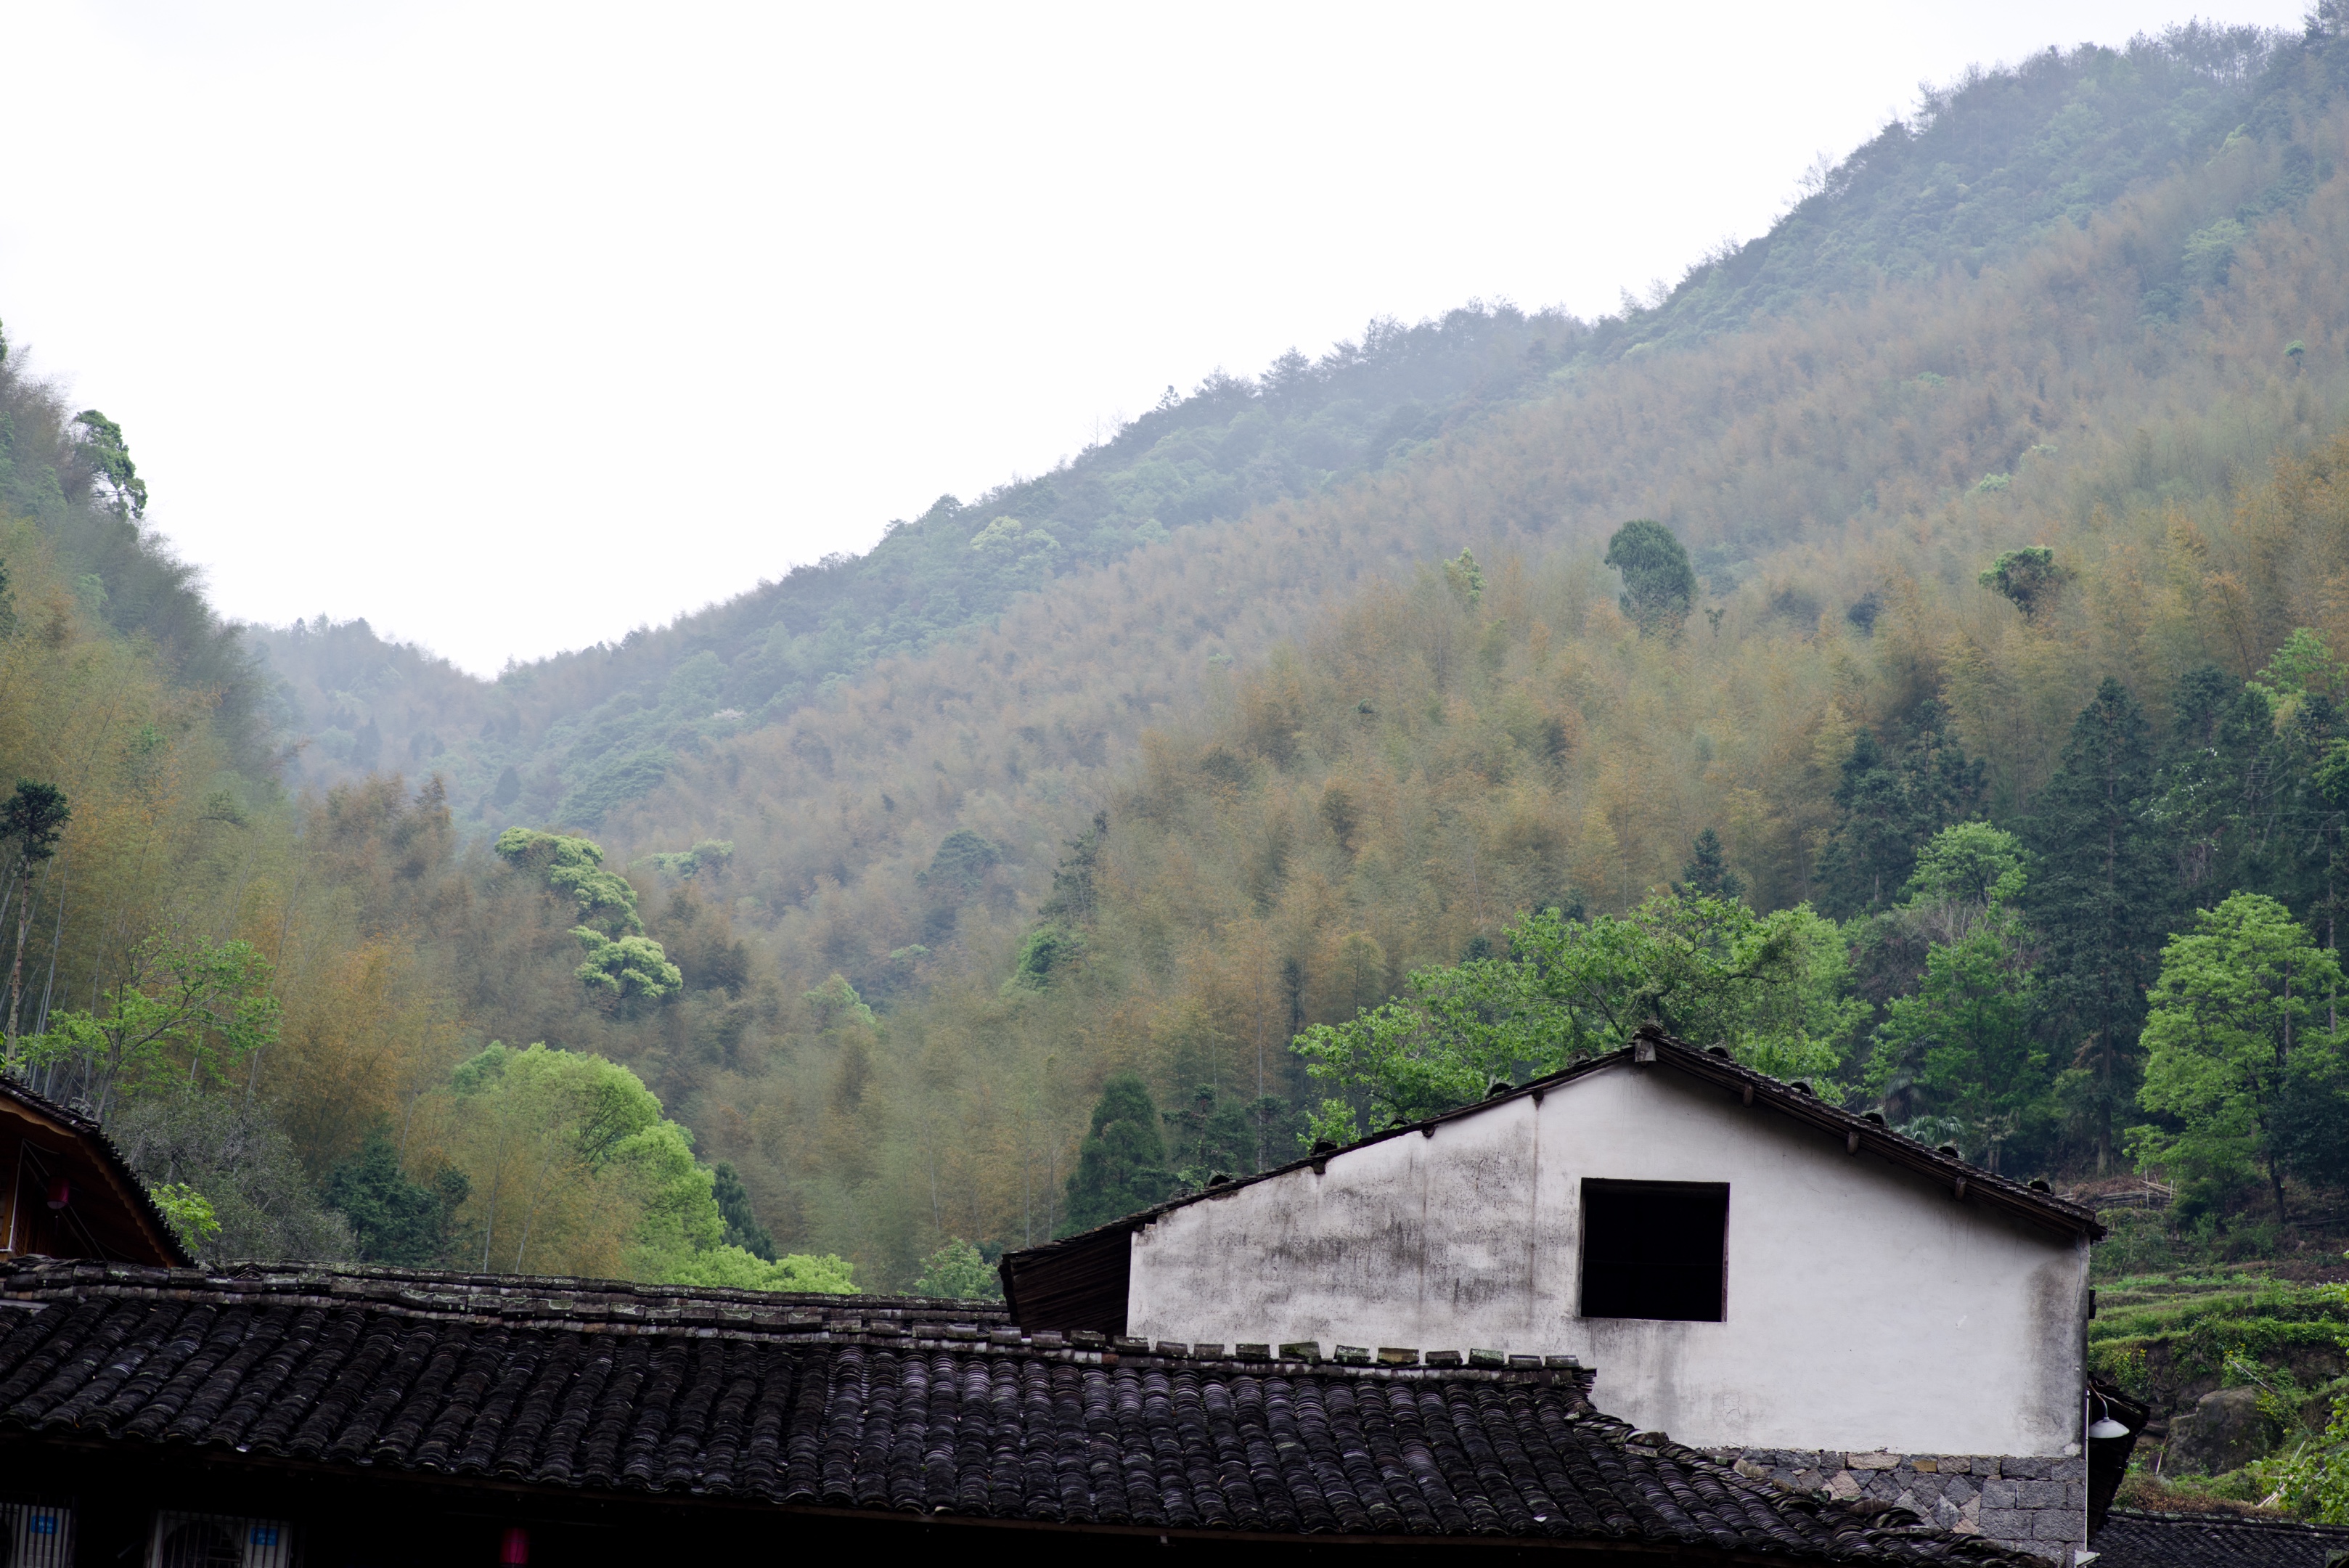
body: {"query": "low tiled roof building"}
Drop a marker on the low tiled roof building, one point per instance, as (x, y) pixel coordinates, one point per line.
(380, 1416)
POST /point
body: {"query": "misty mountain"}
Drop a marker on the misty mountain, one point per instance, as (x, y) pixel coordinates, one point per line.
(1983, 167)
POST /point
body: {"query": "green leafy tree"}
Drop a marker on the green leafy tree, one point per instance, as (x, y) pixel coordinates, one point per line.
(1966, 1036)
(623, 965)
(957, 1271)
(2294, 785)
(184, 1011)
(632, 969)
(1465, 579)
(2303, 861)
(680, 1216)
(1659, 584)
(2228, 1028)
(2304, 667)
(709, 855)
(394, 1219)
(1963, 1042)
(1048, 950)
(836, 1003)
(32, 820)
(569, 1160)
(1770, 988)
(2102, 896)
(1122, 1164)
(1332, 1122)
(189, 1211)
(1969, 868)
(607, 901)
(799, 1273)
(109, 456)
(2249, 794)
(533, 1132)
(2030, 577)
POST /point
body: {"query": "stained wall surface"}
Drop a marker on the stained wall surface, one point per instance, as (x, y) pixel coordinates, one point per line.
(1867, 1309)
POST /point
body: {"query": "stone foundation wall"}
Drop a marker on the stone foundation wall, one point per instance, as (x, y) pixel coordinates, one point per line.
(2038, 1505)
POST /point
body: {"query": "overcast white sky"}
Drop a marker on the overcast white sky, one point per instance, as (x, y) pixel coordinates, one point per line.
(511, 327)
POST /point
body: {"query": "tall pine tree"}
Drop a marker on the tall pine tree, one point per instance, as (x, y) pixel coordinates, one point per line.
(1887, 804)
(2247, 801)
(2102, 897)
(1707, 871)
(1122, 1164)
(2197, 796)
(742, 1227)
(1870, 853)
(2305, 857)
(2283, 828)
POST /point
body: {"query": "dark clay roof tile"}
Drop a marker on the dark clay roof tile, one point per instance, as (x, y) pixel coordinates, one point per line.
(446, 1374)
(2133, 1538)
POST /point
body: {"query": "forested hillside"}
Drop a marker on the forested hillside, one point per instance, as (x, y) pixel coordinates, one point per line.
(572, 737)
(284, 1010)
(1984, 168)
(1840, 479)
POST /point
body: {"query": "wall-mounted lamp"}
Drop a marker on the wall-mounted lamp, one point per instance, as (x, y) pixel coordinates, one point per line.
(2105, 1428)
(60, 1192)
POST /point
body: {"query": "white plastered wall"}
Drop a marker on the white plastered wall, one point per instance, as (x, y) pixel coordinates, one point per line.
(1867, 1308)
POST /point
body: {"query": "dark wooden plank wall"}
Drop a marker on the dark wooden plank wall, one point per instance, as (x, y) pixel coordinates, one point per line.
(1081, 1282)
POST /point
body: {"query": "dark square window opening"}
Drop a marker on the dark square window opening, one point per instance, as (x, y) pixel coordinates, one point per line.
(1655, 1250)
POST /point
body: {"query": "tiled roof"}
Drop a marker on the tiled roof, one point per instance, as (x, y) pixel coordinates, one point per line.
(876, 1404)
(1084, 1278)
(2132, 1539)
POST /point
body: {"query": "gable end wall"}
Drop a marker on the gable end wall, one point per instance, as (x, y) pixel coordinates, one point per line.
(1868, 1310)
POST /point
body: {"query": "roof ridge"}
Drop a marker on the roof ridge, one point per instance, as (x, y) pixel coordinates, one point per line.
(34, 1272)
(1707, 1062)
(16, 1088)
(820, 1320)
(1715, 1062)
(2250, 1521)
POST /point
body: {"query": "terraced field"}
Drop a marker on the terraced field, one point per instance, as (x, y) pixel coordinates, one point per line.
(2170, 1338)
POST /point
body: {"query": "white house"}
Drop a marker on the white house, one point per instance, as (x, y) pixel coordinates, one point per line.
(1748, 1269)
